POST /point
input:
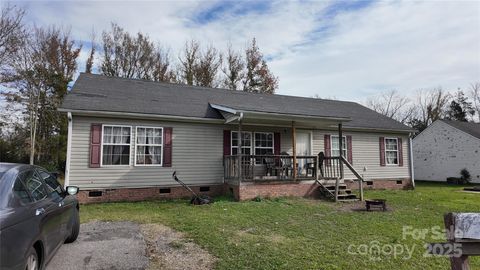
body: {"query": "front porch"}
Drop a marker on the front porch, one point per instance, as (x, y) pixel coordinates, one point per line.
(280, 168)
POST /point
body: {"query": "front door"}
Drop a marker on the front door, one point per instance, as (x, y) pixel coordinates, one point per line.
(303, 148)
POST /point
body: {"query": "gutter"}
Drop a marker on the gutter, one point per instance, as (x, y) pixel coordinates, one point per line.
(141, 116)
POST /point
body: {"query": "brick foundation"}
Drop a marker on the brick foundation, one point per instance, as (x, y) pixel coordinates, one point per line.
(142, 194)
(242, 192)
(392, 183)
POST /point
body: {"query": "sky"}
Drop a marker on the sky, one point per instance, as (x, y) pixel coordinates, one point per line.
(348, 50)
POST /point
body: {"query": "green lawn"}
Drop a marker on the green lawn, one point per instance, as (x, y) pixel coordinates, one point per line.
(295, 233)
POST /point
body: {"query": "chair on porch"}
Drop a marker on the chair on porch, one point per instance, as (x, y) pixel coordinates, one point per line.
(286, 164)
(269, 165)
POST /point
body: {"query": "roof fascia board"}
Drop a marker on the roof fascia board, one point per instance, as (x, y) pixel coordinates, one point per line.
(141, 116)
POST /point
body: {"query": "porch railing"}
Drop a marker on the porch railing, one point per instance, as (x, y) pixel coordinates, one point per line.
(269, 167)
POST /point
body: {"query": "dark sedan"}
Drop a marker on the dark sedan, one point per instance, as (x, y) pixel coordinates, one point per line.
(36, 216)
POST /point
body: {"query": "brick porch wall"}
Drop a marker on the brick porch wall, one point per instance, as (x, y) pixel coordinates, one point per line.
(141, 194)
(248, 191)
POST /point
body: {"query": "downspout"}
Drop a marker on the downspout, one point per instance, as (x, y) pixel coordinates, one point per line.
(410, 144)
(69, 149)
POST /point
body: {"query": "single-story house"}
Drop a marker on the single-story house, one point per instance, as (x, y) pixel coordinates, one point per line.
(446, 147)
(127, 136)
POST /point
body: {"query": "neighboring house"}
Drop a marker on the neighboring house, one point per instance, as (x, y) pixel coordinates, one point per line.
(127, 136)
(445, 148)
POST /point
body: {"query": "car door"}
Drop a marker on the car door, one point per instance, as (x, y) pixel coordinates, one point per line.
(57, 194)
(45, 209)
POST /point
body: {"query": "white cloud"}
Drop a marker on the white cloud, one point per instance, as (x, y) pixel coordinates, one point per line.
(401, 45)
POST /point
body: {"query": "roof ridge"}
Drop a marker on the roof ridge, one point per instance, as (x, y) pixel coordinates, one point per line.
(203, 88)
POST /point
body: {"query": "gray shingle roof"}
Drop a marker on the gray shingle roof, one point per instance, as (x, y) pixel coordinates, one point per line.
(467, 127)
(101, 93)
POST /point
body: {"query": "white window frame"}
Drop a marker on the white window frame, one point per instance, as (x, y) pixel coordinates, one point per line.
(239, 138)
(129, 145)
(260, 147)
(385, 151)
(137, 144)
(345, 146)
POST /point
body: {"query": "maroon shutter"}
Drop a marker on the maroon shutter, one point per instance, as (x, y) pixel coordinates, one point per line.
(400, 152)
(167, 147)
(95, 144)
(327, 147)
(276, 143)
(382, 151)
(349, 149)
(227, 143)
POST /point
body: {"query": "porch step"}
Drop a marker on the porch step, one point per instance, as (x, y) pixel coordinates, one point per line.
(344, 194)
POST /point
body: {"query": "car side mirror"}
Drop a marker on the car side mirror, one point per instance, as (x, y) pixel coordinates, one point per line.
(72, 190)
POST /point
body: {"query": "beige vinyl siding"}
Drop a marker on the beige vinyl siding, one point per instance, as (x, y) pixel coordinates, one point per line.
(366, 153)
(197, 154)
(197, 151)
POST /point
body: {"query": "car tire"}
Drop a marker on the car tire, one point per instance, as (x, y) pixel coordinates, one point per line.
(32, 262)
(75, 228)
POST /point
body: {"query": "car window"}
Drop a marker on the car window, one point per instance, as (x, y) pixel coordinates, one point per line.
(55, 190)
(34, 185)
(20, 191)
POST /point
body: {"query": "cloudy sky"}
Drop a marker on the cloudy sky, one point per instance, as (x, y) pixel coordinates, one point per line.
(348, 50)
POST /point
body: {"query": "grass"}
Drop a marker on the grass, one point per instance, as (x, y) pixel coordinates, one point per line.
(296, 233)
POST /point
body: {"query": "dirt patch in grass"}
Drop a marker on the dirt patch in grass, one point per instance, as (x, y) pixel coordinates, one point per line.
(171, 250)
(358, 206)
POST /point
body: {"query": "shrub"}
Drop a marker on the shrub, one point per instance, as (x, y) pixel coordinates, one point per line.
(465, 175)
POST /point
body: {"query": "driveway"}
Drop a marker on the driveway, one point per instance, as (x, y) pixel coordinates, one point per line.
(103, 245)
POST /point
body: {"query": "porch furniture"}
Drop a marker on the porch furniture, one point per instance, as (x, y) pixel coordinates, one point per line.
(270, 166)
(285, 164)
(376, 203)
(310, 168)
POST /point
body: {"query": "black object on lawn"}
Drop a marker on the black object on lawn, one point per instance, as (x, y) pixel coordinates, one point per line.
(196, 199)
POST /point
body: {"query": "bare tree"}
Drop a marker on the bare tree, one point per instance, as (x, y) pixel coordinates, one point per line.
(128, 56)
(91, 56)
(258, 77)
(475, 95)
(189, 62)
(431, 105)
(12, 34)
(393, 105)
(207, 68)
(234, 70)
(42, 70)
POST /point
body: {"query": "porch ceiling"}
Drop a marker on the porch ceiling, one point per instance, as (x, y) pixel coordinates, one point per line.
(232, 116)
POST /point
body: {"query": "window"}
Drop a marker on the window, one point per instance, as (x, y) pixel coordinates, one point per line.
(263, 146)
(336, 146)
(34, 185)
(20, 191)
(246, 143)
(54, 188)
(116, 145)
(263, 143)
(149, 146)
(391, 151)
